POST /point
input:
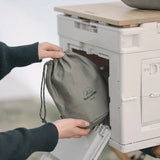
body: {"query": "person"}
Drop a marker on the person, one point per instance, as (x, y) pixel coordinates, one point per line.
(20, 143)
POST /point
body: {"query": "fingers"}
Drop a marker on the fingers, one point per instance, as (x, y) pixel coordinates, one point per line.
(52, 47)
(55, 54)
(82, 132)
(70, 128)
(48, 50)
(81, 123)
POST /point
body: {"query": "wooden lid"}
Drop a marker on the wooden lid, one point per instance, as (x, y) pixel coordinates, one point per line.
(114, 13)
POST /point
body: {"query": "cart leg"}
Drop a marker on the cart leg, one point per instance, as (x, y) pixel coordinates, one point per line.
(121, 155)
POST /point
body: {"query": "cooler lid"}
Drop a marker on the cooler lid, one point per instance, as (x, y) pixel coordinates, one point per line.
(114, 13)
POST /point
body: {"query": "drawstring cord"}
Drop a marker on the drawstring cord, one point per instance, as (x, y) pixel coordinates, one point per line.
(42, 112)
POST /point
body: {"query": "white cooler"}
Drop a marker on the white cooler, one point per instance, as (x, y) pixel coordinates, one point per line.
(129, 42)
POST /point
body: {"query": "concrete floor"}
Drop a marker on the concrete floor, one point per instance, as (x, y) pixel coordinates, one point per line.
(25, 113)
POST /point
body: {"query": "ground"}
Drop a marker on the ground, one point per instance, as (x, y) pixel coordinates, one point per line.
(25, 113)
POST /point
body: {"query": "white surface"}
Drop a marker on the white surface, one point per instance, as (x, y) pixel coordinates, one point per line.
(25, 22)
(134, 90)
(85, 148)
(150, 91)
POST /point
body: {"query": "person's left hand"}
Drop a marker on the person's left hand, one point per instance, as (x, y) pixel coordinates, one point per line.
(48, 50)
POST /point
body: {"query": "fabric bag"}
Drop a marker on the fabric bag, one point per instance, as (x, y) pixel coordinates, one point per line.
(143, 4)
(77, 87)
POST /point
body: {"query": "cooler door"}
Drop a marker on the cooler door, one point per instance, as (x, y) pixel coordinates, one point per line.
(150, 91)
(85, 148)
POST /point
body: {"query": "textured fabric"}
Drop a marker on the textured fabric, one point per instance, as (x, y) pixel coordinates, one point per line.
(11, 57)
(78, 88)
(18, 144)
(143, 4)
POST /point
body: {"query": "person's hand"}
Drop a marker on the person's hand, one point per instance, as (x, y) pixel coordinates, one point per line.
(70, 128)
(48, 50)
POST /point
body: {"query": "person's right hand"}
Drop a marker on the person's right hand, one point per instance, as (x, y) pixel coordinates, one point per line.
(70, 128)
(49, 50)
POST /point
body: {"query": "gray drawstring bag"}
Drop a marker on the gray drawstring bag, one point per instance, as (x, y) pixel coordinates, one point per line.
(143, 4)
(77, 87)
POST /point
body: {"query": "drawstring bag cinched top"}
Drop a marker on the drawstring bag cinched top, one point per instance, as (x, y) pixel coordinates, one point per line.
(143, 4)
(77, 87)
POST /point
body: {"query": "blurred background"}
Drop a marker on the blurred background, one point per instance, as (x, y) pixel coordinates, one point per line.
(25, 22)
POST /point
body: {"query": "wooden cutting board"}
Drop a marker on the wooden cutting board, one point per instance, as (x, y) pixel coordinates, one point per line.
(114, 13)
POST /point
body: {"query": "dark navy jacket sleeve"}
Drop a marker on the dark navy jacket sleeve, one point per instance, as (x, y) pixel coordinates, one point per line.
(20, 143)
(11, 57)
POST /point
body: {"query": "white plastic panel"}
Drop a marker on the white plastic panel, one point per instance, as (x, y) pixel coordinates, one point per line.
(103, 36)
(120, 40)
(85, 148)
(151, 91)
